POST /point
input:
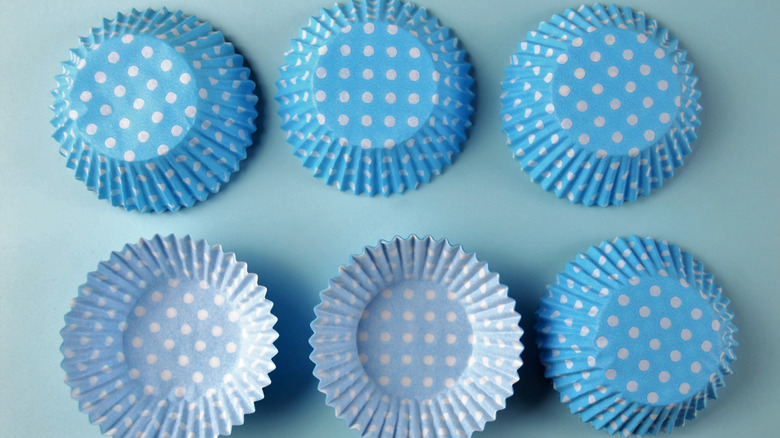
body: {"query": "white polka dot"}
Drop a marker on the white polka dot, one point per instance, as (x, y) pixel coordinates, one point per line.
(623, 300)
(365, 143)
(642, 38)
(384, 337)
(176, 130)
(696, 313)
(451, 338)
(344, 96)
(451, 316)
(414, 52)
(368, 73)
(389, 121)
(143, 136)
(137, 342)
(162, 149)
(584, 139)
(413, 122)
(695, 367)
(151, 84)
(428, 338)
(169, 344)
(392, 29)
(675, 302)
(613, 321)
(597, 89)
(612, 71)
(384, 380)
(644, 69)
(119, 90)
(582, 106)
(601, 342)
(200, 345)
(628, 55)
(385, 314)
(644, 311)
(614, 104)
(655, 344)
(197, 377)
(630, 86)
(171, 312)
(129, 156)
(134, 373)
(633, 332)
(166, 375)
(392, 52)
(684, 388)
(110, 142)
(595, 56)
(344, 73)
(171, 97)
(345, 50)
(390, 97)
(429, 316)
(407, 337)
(100, 77)
(675, 355)
(183, 360)
(715, 325)
(428, 360)
(449, 382)
(406, 359)
(706, 346)
(599, 121)
(185, 329)
(157, 117)
(414, 75)
(609, 39)
(652, 397)
(564, 90)
(113, 57)
(562, 59)
(85, 96)
(214, 362)
(576, 42)
(644, 365)
(391, 74)
(632, 386)
(320, 96)
(666, 323)
(147, 52)
(427, 382)
(384, 359)
(231, 347)
(368, 28)
(610, 374)
(617, 137)
(166, 65)
(664, 376)
(659, 53)
(343, 119)
(91, 129)
(579, 73)
(367, 97)
(414, 98)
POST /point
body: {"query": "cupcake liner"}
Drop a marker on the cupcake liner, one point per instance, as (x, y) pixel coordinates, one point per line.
(169, 337)
(414, 338)
(636, 336)
(154, 110)
(375, 96)
(600, 105)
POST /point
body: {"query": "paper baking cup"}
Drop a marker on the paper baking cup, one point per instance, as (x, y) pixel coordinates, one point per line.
(636, 336)
(416, 338)
(375, 96)
(600, 105)
(154, 110)
(169, 337)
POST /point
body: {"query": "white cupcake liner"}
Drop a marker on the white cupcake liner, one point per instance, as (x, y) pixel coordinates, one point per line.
(415, 338)
(169, 337)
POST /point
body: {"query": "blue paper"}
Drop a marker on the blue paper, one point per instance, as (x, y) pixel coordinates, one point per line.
(600, 105)
(169, 337)
(375, 97)
(416, 337)
(154, 110)
(636, 336)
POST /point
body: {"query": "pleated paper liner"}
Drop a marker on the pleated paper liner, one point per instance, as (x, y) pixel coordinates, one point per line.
(154, 110)
(169, 337)
(375, 97)
(600, 105)
(636, 336)
(416, 337)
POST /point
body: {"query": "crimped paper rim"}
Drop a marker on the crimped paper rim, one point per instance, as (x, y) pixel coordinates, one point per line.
(607, 409)
(204, 158)
(456, 411)
(393, 168)
(552, 158)
(93, 325)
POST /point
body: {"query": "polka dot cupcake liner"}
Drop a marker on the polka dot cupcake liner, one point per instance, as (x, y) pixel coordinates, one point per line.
(375, 96)
(154, 110)
(600, 105)
(636, 336)
(169, 337)
(416, 338)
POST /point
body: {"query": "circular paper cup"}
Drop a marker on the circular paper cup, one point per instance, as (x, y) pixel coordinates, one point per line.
(600, 105)
(169, 337)
(154, 110)
(416, 337)
(375, 97)
(636, 336)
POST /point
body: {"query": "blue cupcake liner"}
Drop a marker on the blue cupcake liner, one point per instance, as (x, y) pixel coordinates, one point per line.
(169, 337)
(375, 96)
(154, 110)
(415, 338)
(600, 105)
(636, 336)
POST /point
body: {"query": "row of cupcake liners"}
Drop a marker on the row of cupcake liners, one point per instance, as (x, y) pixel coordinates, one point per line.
(350, 123)
(414, 337)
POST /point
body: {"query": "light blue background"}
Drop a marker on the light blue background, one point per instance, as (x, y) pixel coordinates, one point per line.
(294, 231)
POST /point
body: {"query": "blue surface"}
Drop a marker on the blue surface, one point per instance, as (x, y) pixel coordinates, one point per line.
(294, 231)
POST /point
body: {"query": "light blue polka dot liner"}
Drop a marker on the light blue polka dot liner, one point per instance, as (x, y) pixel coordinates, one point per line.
(170, 337)
(416, 338)
(636, 336)
(154, 110)
(600, 105)
(375, 96)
